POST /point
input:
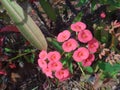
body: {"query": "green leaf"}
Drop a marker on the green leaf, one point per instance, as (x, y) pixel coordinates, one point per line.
(93, 5)
(55, 44)
(66, 59)
(97, 34)
(78, 17)
(67, 62)
(89, 69)
(7, 50)
(104, 39)
(107, 67)
(70, 66)
(32, 58)
(48, 9)
(113, 4)
(27, 50)
(81, 2)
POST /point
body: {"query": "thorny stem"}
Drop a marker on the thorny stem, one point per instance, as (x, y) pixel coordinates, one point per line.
(20, 55)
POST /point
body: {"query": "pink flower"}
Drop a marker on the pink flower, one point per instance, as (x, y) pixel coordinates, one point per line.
(80, 54)
(42, 63)
(62, 74)
(55, 65)
(93, 45)
(70, 45)
(85, 36)
(54, 56)
(78, 26)
(103, 15)
(48, 72)
(88, 61)
(63, 36)
(43, 55)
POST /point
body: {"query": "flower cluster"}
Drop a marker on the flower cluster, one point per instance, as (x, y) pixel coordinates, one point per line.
(51, 65)
(80, 54)
(51, 62)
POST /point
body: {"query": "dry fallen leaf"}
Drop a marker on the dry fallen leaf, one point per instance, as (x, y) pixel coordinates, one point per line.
(14, 76)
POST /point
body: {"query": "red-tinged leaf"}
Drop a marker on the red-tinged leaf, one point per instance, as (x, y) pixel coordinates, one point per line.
(9, 28)
(12, 65)
(1, 40)
(2, 72)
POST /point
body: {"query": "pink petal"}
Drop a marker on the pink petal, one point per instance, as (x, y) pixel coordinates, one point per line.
(42, 63)
(80, 54)
(103, 15)
(85, 36)
(89, 60)
(62, 74)
(70, 45)
(78, 26)
(86, 64)
(43, 55)
(55, 65)
(54, 56)
(63, 36)
(48, 72)
(93, 45)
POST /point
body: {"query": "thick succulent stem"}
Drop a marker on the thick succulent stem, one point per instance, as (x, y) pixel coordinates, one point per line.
(25, 24)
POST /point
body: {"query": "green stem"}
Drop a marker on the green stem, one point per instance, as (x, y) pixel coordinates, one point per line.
(81, 69)
(112, 43)
(96, 68)
(20, 55)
